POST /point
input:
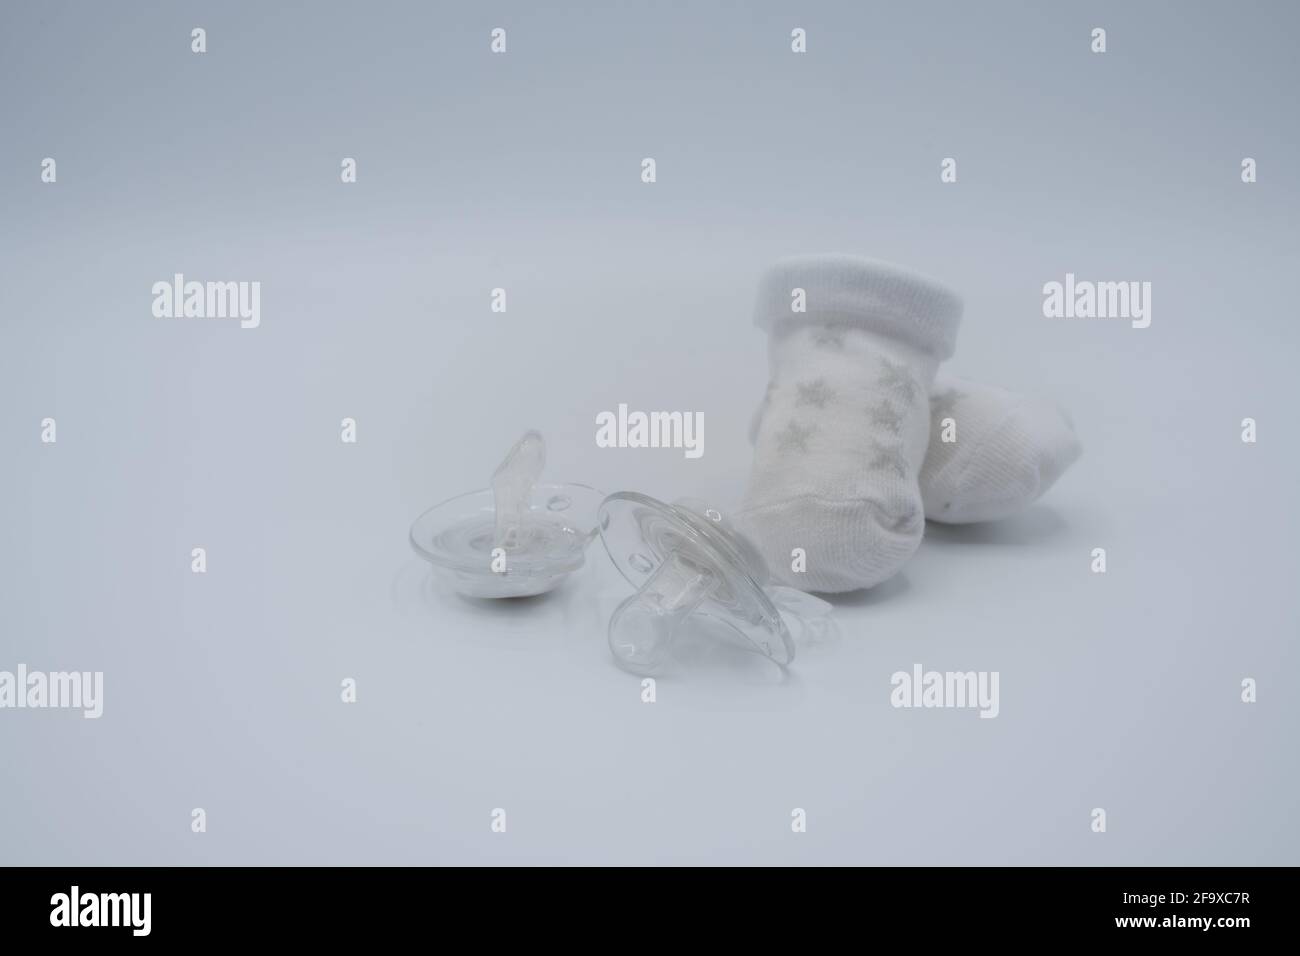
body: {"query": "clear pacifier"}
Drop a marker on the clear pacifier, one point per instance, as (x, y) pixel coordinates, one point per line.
(517, 538)
(689, 564)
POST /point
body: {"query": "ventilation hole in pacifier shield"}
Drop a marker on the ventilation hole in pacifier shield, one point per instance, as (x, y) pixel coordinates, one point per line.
(640, 562)
(558, 503)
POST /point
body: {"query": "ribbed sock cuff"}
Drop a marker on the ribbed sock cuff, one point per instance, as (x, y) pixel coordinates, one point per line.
(849, 290)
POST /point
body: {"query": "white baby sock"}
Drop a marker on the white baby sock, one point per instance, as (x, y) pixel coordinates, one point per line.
(1008, 449)
(853, 345)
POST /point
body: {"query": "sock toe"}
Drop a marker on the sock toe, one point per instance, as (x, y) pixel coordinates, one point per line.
(1016, 463)
(849, 545)
(1056, 442)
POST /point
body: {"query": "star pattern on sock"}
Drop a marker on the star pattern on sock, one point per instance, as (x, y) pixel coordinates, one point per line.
(897, 377)
(815, 393)
(888, 457)
(794, 437)
(904, 521)
(829, 337)
(883, 416)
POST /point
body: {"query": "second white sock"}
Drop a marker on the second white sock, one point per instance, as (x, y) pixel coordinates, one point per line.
(1006, 451)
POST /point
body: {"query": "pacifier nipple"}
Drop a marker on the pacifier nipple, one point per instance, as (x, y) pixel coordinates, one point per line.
(512, 483)
(688, 564)
(642, 627)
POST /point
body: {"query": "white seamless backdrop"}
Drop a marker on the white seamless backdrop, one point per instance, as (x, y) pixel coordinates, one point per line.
(522, 171)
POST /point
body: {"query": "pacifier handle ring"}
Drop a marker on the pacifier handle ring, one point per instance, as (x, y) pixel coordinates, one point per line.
(811, 613)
